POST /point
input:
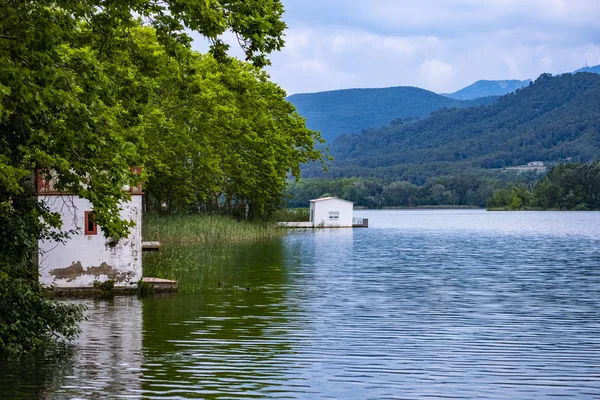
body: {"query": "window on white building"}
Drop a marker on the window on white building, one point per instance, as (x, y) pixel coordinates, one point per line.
(334, 215)
(90, 227)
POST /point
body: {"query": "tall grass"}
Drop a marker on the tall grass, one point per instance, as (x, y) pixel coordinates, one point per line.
(229, 266)
(204, 252)
(206, 229)
(293, 215)
(195, 268)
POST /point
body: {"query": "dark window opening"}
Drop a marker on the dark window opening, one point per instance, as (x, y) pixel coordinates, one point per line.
(91, 228)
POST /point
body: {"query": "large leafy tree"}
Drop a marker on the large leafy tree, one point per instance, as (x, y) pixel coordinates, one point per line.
(74, 93)
(222, 140)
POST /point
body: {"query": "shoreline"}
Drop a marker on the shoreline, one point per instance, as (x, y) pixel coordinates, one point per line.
(424, 208)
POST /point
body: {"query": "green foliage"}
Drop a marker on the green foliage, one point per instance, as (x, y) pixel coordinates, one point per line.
(353, 110)
(515, 197)
(223, 140)
(144, 288)
(460, 190)
(553, 120)
(207, 229)
(80, 83)
(501, 199)
(106, 286)
(75, 85)
(28, 320)
(201, 268)
(570, 187)
(574, 186)
(581, 207)
(292, 215)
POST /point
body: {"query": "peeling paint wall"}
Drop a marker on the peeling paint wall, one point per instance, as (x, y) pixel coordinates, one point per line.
(83, 259)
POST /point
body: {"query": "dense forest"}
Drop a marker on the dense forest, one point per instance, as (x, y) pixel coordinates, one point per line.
(459, 190)
(566, 187)
(555, 119)
(352, 110)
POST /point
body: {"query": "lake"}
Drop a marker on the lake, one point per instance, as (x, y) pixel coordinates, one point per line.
(423, 304)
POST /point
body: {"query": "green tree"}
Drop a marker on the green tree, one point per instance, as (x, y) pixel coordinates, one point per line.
(515, 197)
(570, 186)
(75, 90)
(224, 140)
(400, 194)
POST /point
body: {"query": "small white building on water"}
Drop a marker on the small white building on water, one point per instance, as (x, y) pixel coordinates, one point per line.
(331, 212)
(87, 256)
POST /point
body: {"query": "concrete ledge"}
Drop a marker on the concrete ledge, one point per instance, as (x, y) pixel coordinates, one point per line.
(154, 285)
(151, 246)
(82, 292)
(161, 285)
(364, 223)
(296, 224)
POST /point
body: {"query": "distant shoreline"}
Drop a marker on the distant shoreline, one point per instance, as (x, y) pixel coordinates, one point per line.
(423, 208)
(539, 209)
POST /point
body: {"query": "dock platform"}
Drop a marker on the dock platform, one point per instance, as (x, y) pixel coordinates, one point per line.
(356, 223)
(151, 246)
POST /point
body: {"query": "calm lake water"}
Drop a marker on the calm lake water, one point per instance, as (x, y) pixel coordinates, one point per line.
(423, 304)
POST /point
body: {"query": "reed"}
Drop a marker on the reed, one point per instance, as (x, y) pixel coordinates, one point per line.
(206, 229)
(293, 215)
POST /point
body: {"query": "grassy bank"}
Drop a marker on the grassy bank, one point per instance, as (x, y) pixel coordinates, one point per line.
(206, 229)
(293, 215)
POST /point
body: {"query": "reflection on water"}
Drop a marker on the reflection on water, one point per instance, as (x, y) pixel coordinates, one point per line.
(224, 342)
(435, 304)
(106, 363)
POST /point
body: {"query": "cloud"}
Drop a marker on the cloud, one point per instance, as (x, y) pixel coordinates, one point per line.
(440, 45)
(443, 16)
(436, 72)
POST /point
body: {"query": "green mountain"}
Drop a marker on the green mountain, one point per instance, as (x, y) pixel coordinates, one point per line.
(485, 88)
(488, 88)
(556, 118)
(594, 70)
(352, 110)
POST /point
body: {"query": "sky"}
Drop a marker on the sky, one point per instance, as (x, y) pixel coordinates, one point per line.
(439, 45)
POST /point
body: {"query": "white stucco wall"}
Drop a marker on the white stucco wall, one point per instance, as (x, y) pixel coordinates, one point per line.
(323, 209)
(83, 259)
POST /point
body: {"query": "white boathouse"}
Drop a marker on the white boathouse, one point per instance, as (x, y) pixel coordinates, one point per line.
(331, 212)
(87, 256)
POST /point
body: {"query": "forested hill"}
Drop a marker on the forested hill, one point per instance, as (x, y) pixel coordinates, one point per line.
(352, 110)
(595, 69)
(488, 88)
(556, 118)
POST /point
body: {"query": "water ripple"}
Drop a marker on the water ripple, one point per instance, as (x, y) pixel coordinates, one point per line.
(435, 305)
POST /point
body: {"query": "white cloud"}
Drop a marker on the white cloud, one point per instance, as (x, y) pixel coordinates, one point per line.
(472, 14)
(437, 74)
(440, 45)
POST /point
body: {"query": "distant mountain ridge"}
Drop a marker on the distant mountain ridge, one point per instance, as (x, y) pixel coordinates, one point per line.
(352, 110)
(594, 70)
(556, 118)
(486, 88)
